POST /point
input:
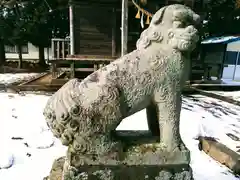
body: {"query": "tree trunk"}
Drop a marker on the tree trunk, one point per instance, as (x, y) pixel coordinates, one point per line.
(2, 53)
(20, 62)
(42, 61)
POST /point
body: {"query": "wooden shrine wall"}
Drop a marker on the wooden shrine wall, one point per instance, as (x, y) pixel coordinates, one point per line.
(93, 29)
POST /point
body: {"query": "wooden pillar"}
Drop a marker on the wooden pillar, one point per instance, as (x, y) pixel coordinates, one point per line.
(193, 4)
(95, 66)
(53, 64)
(54, 70)
(114, 32)
(63, 50)
(124, 28)
(72, 69)
(53, 49)
(71, 27)
(47, 54)
(72, 42)
(58, 49)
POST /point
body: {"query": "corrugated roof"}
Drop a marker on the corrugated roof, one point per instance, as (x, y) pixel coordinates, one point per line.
(222, 39)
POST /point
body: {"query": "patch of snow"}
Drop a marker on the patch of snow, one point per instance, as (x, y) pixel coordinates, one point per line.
(30, 148)
(201, 116)
(130, 122)
(230, 94)
(9, 78)
(6, 159)
(26, 137)
(42, 140)
(206, 116)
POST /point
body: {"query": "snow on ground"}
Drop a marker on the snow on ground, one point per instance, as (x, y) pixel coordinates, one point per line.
(29, 148)
(230, 94)
(203, 116)
(9, 78)
(27, 145)
(209, 117)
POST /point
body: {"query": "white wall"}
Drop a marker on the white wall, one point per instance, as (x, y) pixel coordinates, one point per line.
(33, 53)
(233, 46)
(228, 72)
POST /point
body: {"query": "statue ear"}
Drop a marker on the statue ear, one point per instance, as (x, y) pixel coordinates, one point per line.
(158, 16)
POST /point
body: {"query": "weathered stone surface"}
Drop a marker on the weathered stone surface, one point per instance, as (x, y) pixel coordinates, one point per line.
(142, 154)
(221, 153)
(142, 160)
(84, 114)
(143, 172)
(119, 172)
(57, 169)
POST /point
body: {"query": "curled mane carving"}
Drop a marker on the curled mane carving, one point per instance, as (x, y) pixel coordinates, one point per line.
(152, 33)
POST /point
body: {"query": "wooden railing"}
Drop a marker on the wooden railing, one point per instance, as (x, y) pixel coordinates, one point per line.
(60, 48)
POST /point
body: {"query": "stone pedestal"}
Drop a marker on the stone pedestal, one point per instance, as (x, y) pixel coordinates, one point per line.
(142, 162)
(125, 172)
(119, 172)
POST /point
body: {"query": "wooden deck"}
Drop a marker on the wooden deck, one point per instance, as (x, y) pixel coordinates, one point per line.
(97, 61)
(91, 57)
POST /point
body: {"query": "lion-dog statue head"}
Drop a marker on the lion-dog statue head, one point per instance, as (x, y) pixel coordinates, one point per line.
(173, 26)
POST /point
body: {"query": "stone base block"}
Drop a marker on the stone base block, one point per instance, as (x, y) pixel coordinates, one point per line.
(142, 161)
(57, 169)
(121, 172)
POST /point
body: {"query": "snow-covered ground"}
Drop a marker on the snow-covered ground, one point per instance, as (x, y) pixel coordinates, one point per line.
(9, 78)
(28, 148)
(27, 144)
(230, 94)
(202, 116)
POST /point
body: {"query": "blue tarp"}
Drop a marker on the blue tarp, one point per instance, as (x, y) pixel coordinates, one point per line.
(223, 40)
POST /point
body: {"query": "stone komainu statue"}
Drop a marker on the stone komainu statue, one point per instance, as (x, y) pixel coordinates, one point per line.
(84, 113)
